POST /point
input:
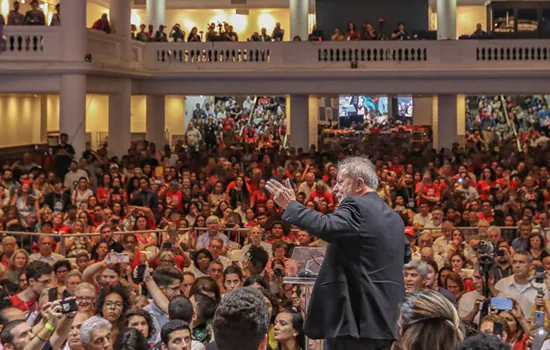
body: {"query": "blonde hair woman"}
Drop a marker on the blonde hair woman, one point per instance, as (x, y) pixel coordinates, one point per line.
(428, 321)
(18, 262)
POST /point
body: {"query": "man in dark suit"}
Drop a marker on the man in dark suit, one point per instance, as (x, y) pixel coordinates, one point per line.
(356, 297)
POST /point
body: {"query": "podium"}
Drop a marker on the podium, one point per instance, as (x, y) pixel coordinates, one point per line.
(309, 261)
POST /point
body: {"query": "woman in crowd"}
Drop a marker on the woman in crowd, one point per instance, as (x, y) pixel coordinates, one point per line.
(518, 326)
(216, 196)
(81, 194)
(428, 321)
(232, 278)
(18, 262)
(130, 339)
(455, 285)
(201, 261)
(535, 247)
(487, 325)
(100, 251)
(351, 32)
(337, 36)
(26, 205)
(194, 35)
(207, 286)
(147, 241)
(76, 245)
(142, 321)
(288, 330)
(103, 191)
(112, 304)
(85, 294)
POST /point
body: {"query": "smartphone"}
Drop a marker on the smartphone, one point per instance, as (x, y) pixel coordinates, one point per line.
(68, 306)
(140, 273)
(168, 245)
(539, 274)
(498, 329)
(539, 318)
(52, 294)
(502, 304)
(120, 258)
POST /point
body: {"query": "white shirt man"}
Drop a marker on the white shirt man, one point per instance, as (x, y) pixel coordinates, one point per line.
(255, 235)
(423, 217)
(518, 286)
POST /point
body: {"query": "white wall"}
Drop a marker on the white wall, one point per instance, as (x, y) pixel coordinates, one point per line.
(422, 110)
(20, 117)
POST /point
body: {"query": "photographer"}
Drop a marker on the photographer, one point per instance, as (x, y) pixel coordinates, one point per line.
(470, 303)
(177, 34)
(503, 266)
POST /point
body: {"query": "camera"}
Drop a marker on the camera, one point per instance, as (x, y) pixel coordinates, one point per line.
(68, 306)
(500, 252)
(278, 272)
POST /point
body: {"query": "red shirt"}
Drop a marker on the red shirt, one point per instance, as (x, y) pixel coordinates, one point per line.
(175, 199)
(25, 306)
(432, 190)
(316, 197)
(484, 189)
(103, 194)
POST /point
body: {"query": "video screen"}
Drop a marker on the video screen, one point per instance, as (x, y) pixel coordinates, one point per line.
(404, 107)
(353, 110)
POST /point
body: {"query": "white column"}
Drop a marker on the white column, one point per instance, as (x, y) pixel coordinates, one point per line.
(72, 119)
(313, 120)
(156, 12)
(299, 10)
(43, 137)
(119, 119)
(72, 112)
(74, 33)
(120, 14)
(446, 126)
(156, 120)
(299, 121)
(446, 19)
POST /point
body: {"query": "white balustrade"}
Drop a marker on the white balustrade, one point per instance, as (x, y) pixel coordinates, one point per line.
(31, 43)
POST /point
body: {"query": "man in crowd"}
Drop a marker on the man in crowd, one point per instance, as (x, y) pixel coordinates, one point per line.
(518, 286)
(416, 275)
(241, 321)
(212, 230)
(45, 254)
(168, 280)
(39, 277)
(176, 335)
(256, 235)
(95, 334)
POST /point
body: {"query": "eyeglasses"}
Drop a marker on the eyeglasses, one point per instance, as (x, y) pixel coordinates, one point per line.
(113, 304)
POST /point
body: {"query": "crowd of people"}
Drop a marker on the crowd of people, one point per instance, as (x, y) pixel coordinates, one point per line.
(258, 122)
(521, 118)
(225, 32)
(34, 16)
(154, 240)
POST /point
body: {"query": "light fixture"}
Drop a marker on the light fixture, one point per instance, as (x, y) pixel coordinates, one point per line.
(5, 7)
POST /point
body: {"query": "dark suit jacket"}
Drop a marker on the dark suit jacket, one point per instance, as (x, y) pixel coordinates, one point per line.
(360, 285)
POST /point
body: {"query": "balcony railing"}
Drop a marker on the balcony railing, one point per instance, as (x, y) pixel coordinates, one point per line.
(44, 44)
